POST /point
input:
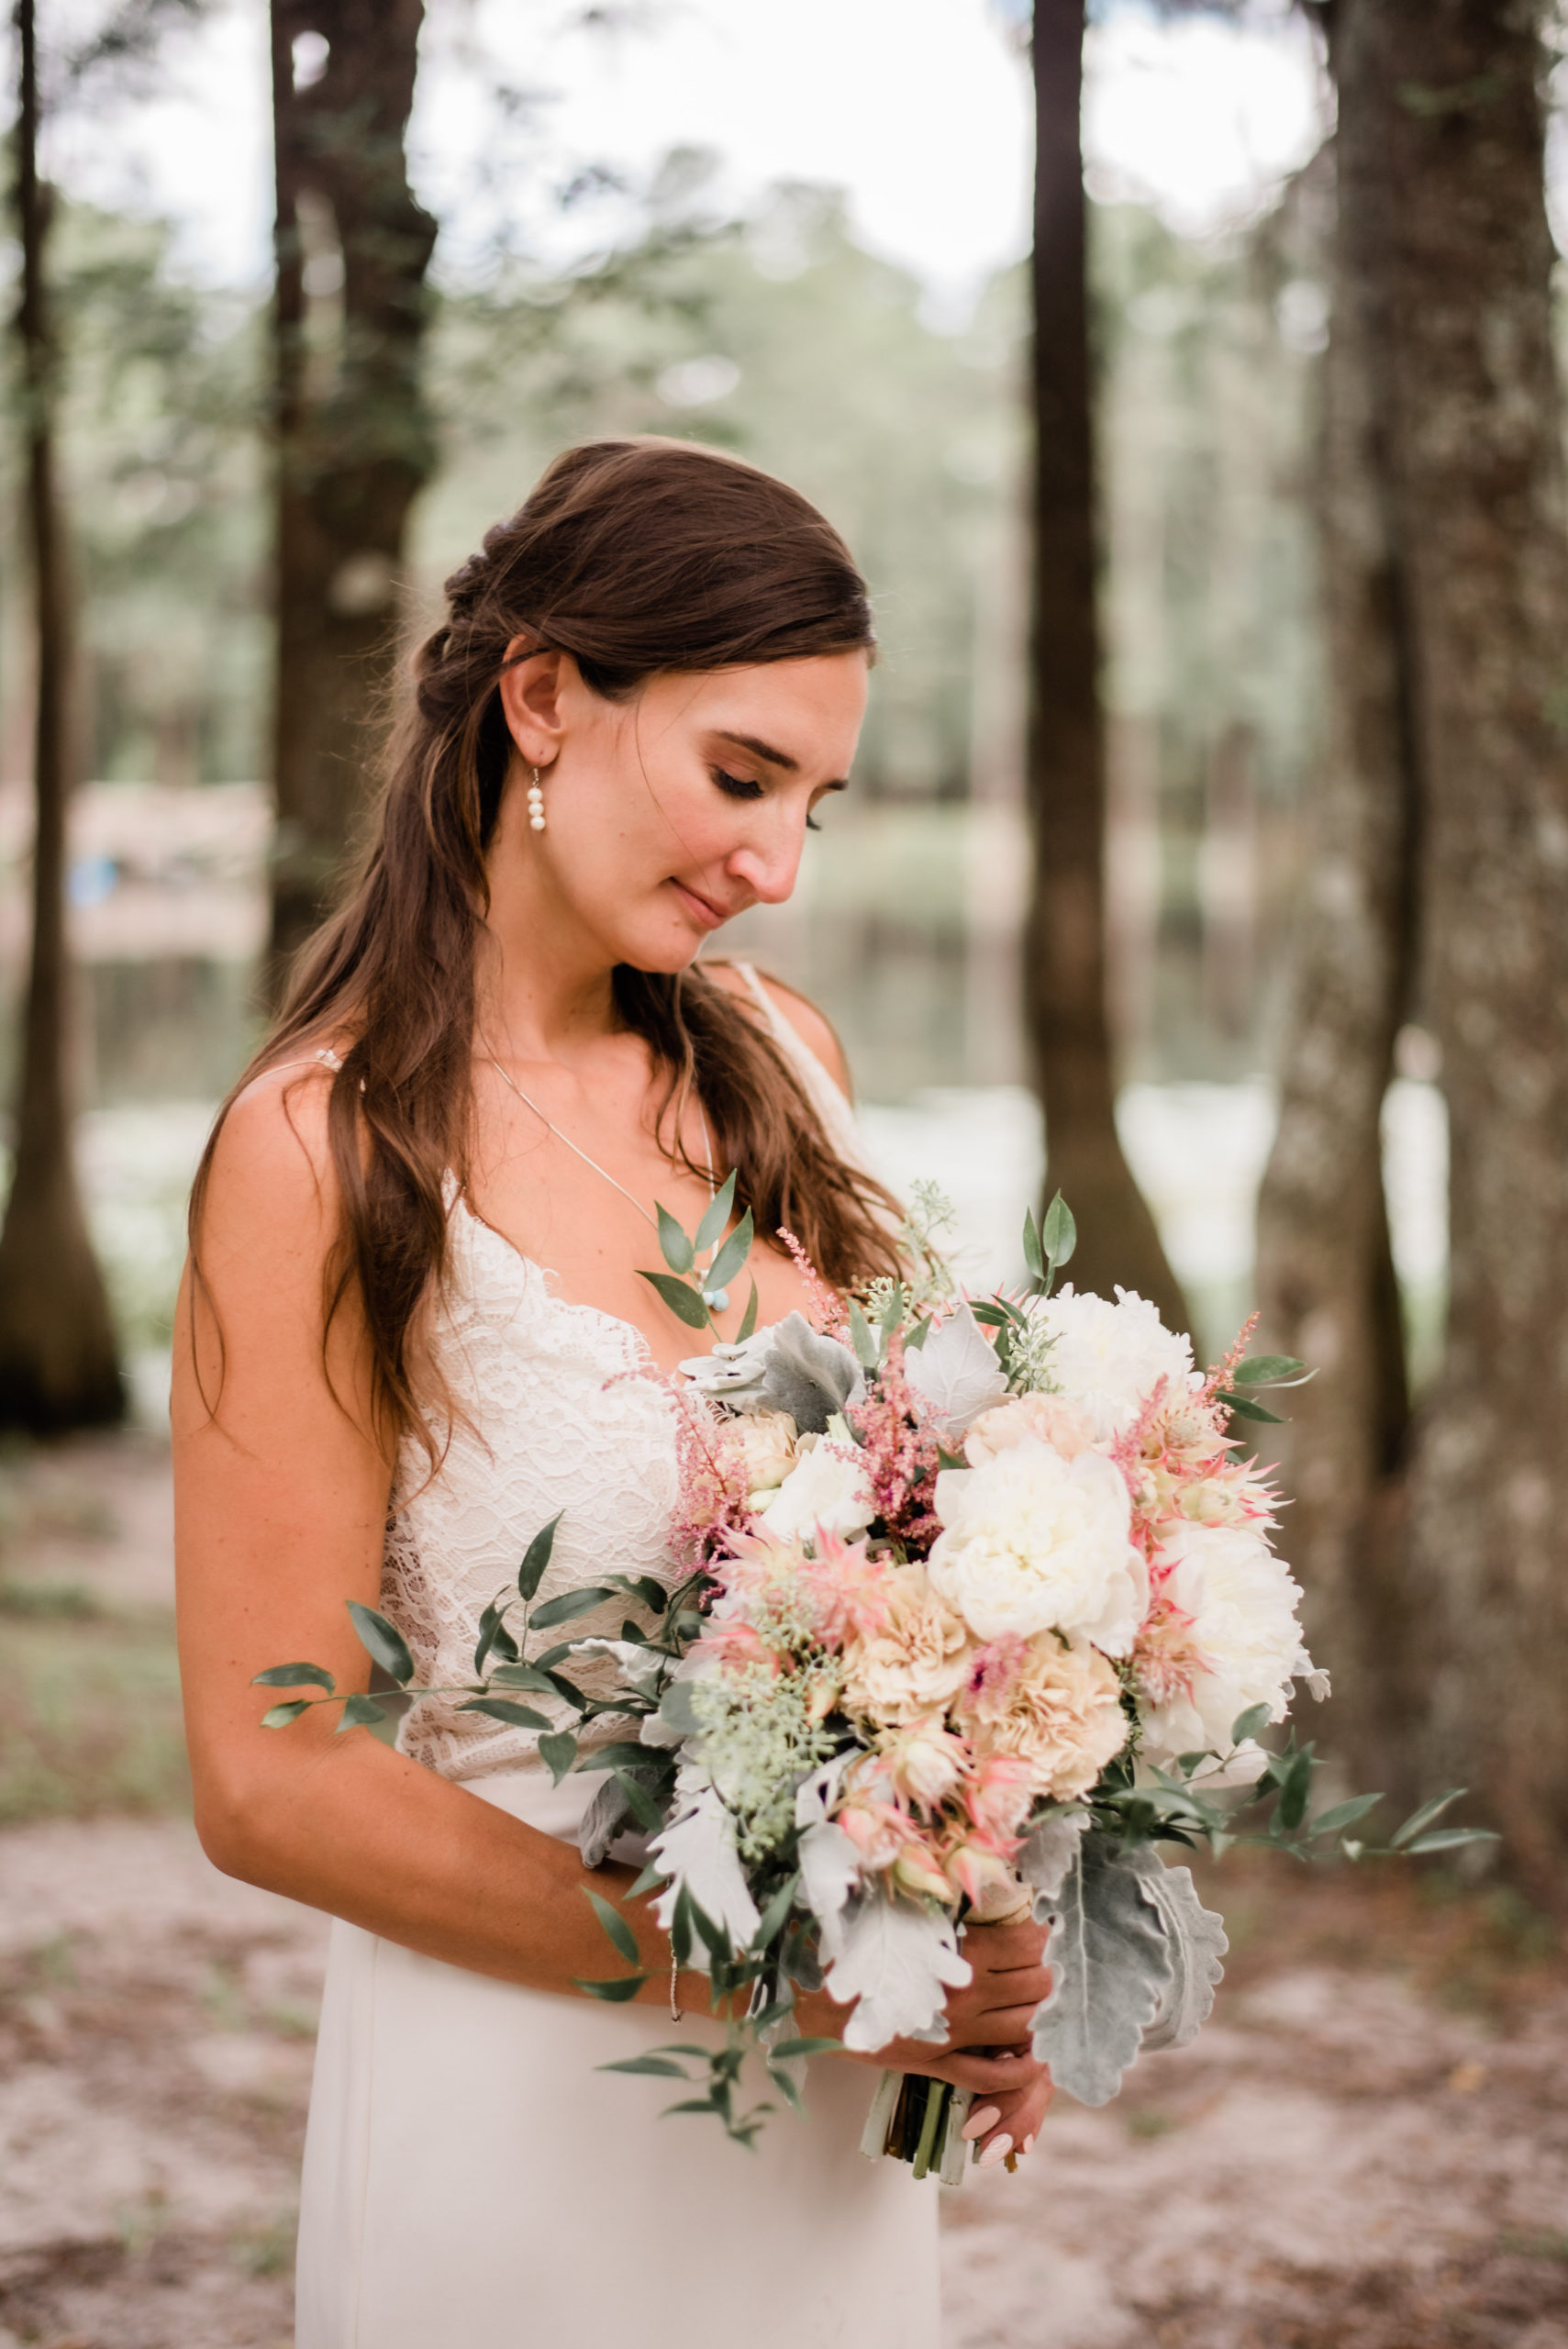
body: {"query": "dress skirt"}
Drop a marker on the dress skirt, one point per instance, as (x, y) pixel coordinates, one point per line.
(471, 2177)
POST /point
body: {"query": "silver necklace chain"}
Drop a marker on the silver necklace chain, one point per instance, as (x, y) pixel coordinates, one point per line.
(506, 1078)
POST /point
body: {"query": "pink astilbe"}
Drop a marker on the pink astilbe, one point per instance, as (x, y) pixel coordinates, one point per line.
(713, 1494)
(824, 1306)
(900, 1452)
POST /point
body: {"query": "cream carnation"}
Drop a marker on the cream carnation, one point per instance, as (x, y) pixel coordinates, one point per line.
(826, 1487)
(1107, 1360)
(767, 1441)
(1033, 1542)
(916, 1662)
(1242, 1602)
(1039, 1418)
(1058, 1710)
(924, 1759)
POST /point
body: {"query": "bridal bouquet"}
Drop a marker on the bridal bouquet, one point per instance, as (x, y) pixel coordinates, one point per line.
(980, 1609)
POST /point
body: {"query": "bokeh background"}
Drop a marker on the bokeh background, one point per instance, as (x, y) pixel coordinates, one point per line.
(803, 235)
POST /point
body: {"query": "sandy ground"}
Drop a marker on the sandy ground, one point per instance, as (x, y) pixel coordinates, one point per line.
(1368, 2148)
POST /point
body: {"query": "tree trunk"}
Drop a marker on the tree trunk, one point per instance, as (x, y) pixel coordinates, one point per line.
(1064, 942)
(1326, 1284)
(353, 438)
(1482, 528)
(57, 1364)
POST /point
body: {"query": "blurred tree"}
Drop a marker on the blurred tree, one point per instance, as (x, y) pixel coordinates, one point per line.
(1325, 1269)
(353, 441)
(58, 1363)
(1065, 947)
(1445, 833)
(1478, 478)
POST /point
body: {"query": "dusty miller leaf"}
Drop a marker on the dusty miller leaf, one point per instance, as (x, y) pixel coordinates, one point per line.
(1194, 1941)
(1112, 1968)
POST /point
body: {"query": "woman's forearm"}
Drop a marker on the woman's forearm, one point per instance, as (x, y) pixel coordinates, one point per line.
(370, 1836)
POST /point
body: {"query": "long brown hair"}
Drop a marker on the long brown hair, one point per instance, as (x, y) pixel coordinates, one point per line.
(635, 557)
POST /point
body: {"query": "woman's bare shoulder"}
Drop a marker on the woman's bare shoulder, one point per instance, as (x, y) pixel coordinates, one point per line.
(271, 1157)
(816, 1032)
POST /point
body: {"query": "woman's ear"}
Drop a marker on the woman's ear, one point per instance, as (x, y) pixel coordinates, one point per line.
(532, 686)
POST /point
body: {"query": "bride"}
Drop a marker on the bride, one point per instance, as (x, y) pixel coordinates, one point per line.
(413, 1328)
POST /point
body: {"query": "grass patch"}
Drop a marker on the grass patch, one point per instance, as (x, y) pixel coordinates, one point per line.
(89, 1716)
(58, 1601)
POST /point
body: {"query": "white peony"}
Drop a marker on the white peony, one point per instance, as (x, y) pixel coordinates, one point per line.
(1242, 1602)
(1107, 1360)
(1033, 1542)
(826, 1487)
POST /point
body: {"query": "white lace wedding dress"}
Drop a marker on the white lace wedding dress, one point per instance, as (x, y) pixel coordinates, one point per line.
(469, 2174)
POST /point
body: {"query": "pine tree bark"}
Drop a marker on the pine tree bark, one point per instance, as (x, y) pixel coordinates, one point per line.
(1482, 523)
(353, 440)
(1326, 1283)
(1065, 940)
(58, 1363)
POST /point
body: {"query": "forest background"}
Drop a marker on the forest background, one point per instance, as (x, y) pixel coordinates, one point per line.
(1271, 359)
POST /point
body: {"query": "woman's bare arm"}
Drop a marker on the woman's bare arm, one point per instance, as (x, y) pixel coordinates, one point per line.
(280, 1511)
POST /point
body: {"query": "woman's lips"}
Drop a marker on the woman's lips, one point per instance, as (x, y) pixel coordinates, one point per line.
(710, 916)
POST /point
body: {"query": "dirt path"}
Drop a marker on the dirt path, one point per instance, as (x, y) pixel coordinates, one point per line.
(1372, 2155)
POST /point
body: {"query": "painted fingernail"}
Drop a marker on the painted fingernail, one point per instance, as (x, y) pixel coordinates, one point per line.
(978, 2122)
(997, 2150)
(1027, 2145)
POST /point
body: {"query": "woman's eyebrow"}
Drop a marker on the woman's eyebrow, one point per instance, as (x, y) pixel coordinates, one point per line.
(766, 751)
(760, 750)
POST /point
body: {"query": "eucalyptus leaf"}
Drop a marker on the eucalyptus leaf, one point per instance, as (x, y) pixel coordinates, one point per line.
(893, 1312)
(677, 1250)
(655, 2066)
(1424, 1817)
(279, 1716)
(732, 1255)
(776, 1915)
(492, 1631)
(788, 2050)
(557, 1753)
(1449, 1839)
(1034, 1255)
(1059, 1233)
(381, 1641)
(683, 1302)
(748, 1318)
(914, 1339)
(616, 1926)
(646, 1589)
(625, 1754)
(1272, 1370)
(535, 1557)
(1112, 1972)
(295, 1675)
(523, 1676)
(570, 1606)
(501, 1709)
(617, 1994)
(1296, 1791)
(1252, 1723)
(361, 1712)
(1343, 1815)
(715, 1215)
(1244, 1409)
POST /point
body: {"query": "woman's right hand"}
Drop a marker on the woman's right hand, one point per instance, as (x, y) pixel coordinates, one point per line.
(987, 2050)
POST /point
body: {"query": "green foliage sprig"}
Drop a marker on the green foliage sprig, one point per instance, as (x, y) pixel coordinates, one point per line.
(696, 1295)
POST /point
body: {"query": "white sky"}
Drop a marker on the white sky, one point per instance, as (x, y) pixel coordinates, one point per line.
(917, 108)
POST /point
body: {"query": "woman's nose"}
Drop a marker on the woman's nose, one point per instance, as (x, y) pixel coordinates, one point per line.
(767, 868)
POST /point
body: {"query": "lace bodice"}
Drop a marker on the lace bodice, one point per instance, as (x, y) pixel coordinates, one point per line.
(561, 1409)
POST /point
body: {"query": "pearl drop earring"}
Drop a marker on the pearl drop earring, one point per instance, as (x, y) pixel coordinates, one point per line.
(536, 805)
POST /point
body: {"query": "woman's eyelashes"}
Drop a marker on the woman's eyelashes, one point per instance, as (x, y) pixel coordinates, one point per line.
(736, 787)
(746, 786)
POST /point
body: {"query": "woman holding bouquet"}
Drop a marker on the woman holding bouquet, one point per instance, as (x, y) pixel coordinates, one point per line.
(414, 1330)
